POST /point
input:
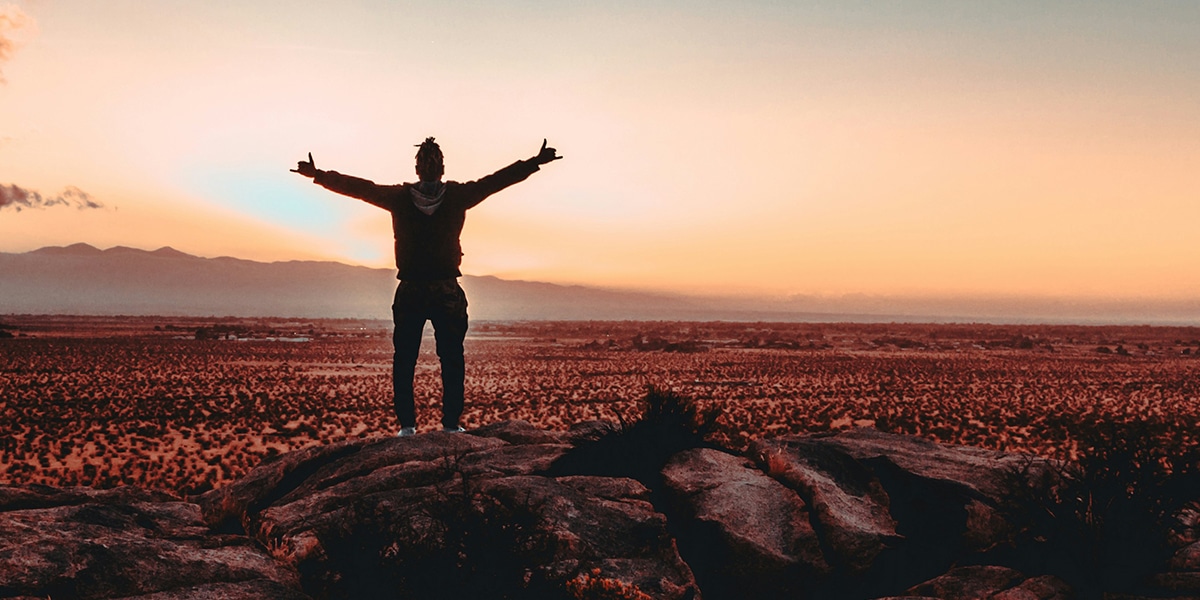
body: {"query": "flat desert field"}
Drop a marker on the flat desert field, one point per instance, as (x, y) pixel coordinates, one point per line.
(187, 404)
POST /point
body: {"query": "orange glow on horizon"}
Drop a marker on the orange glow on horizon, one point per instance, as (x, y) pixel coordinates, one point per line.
(776, 149)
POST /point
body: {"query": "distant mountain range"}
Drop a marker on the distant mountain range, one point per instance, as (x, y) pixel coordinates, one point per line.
(85, 280)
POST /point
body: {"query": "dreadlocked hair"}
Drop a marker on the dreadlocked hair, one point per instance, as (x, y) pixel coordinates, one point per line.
(429, 155)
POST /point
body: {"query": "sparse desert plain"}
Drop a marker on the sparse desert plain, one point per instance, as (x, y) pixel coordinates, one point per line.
(186, 404)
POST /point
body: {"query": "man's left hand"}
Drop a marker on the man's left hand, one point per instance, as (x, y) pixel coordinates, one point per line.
(545, 155)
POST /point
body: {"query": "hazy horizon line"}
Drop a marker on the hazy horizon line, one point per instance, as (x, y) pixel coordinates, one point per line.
(1000, 308)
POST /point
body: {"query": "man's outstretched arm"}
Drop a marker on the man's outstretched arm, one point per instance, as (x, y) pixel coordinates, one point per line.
(347, 185)
(514, 173)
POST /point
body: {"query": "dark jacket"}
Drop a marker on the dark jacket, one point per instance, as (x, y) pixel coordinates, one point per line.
(427, 246)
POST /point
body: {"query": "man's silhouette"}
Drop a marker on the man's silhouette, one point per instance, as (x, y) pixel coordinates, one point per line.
(427, 220)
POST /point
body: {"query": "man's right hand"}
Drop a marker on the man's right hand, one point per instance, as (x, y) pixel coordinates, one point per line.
(307, 169)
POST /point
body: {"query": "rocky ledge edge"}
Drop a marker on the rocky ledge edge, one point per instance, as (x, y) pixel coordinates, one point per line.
(854, 514)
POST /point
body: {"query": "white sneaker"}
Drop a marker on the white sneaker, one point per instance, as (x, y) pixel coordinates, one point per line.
(407, 431)
(453, 429)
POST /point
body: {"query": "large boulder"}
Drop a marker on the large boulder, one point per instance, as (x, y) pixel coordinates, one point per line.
(969, 583)
(601, 526)
(1042, 587)
(402, 513)
(258, 589)
(79, 543)
(849, 502)
(985, 582)
(981, 472)
(225, 508)
(895, 503)
(520, 431)
(749, 532)
(856, 514)
(44, 496)
(372, 458)
(932, 482)
(320, 508)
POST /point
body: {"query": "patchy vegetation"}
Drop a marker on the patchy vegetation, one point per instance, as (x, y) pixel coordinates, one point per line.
(112, 401)
(1110, 518)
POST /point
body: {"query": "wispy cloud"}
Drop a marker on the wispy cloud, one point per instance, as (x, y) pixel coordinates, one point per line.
(13, 22)
(18, 198)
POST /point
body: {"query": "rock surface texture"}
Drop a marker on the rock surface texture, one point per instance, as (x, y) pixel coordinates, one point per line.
(856, 514)
(79, 543)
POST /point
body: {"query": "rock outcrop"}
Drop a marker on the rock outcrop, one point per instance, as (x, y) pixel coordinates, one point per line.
(857, 514)
(373, 498)
(80, 543)
(749, 532)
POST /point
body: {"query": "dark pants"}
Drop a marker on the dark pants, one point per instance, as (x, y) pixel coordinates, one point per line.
(444, 303)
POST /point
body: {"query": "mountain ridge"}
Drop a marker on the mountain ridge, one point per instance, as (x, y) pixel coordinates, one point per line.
(85, 280)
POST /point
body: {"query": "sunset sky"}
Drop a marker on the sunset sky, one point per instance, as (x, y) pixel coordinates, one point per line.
(921, 147)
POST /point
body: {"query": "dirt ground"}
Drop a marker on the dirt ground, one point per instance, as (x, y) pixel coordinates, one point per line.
(187, 404)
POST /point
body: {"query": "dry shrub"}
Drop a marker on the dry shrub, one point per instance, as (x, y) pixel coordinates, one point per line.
(1104, 521)
(591, 586)
(669, 424)
(774, 463)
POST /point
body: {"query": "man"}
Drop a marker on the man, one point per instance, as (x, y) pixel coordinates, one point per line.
(427, 220)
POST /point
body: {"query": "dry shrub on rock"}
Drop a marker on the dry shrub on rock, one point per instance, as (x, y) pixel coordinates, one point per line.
(670, 423)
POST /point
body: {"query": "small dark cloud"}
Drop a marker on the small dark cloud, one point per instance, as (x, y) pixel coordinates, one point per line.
(19, 198)
(12, 22)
